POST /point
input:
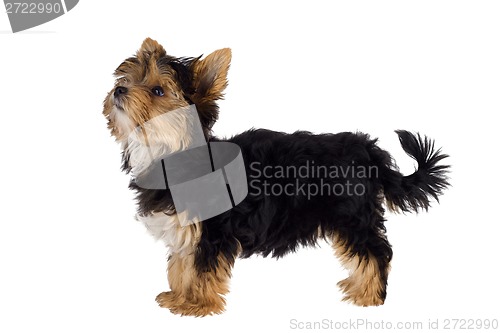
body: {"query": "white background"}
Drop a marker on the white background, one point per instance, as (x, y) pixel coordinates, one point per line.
(73, 259)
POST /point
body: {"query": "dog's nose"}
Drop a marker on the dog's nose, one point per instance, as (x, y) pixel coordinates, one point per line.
(120, 91)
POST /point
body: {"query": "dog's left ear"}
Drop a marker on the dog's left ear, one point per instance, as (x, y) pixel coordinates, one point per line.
(210, 74)
(209, 82)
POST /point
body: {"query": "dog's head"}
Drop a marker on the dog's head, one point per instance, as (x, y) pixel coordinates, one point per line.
(153, 83)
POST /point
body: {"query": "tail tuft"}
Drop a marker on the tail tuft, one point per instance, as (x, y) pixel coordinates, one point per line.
(428, 181)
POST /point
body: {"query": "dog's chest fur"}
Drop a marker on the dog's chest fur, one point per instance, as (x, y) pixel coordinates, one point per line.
(169, 133)
(172, 132)
(168, 229)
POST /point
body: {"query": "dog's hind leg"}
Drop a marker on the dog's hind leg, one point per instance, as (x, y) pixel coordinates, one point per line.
(366, 253)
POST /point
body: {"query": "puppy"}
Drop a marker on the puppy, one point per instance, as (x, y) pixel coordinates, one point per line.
(298, 188)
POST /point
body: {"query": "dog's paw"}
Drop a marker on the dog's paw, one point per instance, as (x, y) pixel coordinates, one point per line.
(181, 306)
(359, 294)
(165, 299)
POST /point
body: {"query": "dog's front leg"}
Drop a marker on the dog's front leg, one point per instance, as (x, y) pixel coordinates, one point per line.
(195, 293)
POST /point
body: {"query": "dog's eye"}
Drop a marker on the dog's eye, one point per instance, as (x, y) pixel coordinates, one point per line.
(158, 91)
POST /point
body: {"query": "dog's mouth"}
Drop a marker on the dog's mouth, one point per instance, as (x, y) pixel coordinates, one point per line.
(118, 104)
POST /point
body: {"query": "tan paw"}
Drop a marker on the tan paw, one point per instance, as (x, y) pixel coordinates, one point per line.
(165, 299)
(359, 294)
(181, 306)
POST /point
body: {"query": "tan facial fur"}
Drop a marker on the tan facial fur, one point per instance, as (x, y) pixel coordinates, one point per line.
(139, 75)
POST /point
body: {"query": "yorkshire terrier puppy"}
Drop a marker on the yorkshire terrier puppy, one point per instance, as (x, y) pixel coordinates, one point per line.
(299, 188)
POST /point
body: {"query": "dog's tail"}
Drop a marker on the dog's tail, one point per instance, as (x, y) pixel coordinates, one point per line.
(413, 192)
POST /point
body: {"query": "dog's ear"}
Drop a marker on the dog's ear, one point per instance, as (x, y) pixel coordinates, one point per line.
(209, 82)
(151, 47)
(210, 75)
